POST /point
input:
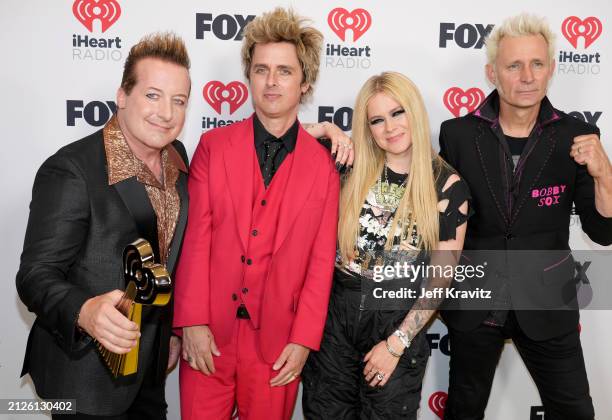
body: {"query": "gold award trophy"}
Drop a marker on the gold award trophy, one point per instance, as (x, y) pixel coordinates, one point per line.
(148, 283)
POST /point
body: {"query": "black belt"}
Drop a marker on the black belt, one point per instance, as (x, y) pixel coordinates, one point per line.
(242, 313)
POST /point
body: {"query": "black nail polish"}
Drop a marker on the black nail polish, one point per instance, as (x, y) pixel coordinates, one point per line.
(339, 166)
(334, 155)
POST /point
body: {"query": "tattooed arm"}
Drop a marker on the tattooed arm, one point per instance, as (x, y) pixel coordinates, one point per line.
(426, 307)
(380, 359)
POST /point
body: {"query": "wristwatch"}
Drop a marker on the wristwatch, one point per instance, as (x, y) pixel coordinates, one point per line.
(403, 337)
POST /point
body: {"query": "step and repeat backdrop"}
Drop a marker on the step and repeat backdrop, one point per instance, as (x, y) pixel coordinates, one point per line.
(62, 62)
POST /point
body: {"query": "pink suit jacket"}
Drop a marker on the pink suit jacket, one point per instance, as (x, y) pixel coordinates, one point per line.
(290, 305)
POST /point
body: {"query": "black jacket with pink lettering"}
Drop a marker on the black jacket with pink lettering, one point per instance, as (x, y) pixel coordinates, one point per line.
(524, 208)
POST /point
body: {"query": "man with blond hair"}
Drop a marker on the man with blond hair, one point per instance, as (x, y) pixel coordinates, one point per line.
(513, 146)
(254, 278)
(91, 199)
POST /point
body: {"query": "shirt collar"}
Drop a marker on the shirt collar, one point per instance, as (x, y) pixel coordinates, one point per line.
(489, 110)
(289, 139)
(122, 164)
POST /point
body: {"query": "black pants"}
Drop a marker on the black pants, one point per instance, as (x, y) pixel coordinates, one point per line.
(150, 403)
(556, 365)
(334, 386)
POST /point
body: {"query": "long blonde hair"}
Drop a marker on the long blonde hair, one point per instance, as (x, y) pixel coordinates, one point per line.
(418, 205)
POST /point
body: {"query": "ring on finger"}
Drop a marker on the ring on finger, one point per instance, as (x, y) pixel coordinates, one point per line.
(189, 359)
(380, 376)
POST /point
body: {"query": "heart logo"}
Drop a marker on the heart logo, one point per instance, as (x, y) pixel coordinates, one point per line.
(456, 99)
(86, 11)
(340, 19)
(573, 28)
(437, 403)
(234, 93)
(152, 280)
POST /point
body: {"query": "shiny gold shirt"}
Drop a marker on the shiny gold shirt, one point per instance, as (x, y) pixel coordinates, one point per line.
(122, 164)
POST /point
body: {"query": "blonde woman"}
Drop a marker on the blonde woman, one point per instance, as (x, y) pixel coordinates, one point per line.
(400, 201)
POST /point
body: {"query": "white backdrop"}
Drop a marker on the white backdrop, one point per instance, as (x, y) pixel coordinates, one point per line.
(60, 85)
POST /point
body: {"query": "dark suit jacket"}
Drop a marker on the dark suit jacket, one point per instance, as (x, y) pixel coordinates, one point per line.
(77, 229)
(509, 215)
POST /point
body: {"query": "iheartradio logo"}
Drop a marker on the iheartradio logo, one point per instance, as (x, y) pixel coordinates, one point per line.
(455, 99)
(340, 19)
(573, 28)
(234, 93)
(437, 403)
(106, 11)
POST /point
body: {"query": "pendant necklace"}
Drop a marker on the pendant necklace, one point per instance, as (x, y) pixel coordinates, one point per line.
(388, 195)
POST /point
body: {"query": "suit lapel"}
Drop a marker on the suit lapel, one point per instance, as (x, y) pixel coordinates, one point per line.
(134, 196)
(300, 183)
(179, 230)
(487, 147)
(238, 157)
(531, 166)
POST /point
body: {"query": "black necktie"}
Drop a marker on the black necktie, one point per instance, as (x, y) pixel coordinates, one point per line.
(268, 168)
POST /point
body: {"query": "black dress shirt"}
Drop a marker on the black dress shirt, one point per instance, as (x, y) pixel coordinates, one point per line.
(270, 155)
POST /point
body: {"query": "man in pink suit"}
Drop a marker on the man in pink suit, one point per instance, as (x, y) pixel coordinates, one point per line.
(255, 273)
